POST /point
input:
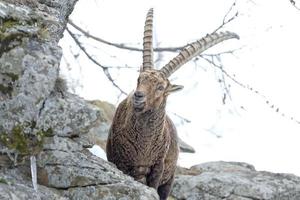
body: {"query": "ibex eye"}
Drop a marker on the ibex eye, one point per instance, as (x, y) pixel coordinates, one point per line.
(160, 88)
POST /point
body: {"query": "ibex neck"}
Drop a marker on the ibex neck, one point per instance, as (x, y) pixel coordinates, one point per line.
(150, 122)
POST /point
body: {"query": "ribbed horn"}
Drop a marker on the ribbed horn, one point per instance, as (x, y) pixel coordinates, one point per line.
(195, 49)
(147, 41)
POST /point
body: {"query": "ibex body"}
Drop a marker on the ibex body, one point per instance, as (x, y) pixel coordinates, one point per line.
(142, 140)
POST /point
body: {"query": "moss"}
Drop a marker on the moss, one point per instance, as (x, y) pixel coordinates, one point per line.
(16, 140)
(43, 34)
(3, 181)
(48, 132)
(6, 89)
(25, 143)
(60, 86)
(8, 24)
(12, 76)
(10, 41)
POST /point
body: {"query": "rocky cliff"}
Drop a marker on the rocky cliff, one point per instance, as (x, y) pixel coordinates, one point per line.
(38, 117)
(233, 181)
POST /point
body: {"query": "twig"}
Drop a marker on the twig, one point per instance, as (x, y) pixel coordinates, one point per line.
(104, 68)
(224, 71)
(294, 4)
(272, 106)
(88, 35)
(182, 118)
(223, 52)
(224, 22)
(222, 80)
(123, 67)
(251, 1)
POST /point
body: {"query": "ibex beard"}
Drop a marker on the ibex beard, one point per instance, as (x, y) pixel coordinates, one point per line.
(142, 140)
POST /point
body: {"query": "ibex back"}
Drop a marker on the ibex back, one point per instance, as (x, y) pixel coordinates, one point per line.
(142, 141)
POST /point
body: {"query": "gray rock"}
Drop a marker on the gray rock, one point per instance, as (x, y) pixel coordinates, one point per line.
(61, 169)
(235, 181)
(84, 176)
(29, 66)
(38, 117)
(15, 186)
(70, 116)
(99, 132)
(127, 190)
(221, 166)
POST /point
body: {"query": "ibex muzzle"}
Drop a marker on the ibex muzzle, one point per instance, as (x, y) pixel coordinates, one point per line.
(138, 101)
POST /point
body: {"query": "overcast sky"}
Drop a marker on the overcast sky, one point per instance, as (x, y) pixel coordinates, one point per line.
(245, 128)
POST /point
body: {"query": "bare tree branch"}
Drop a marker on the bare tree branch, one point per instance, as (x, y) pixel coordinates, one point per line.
(294, 4)
(223, 82)
(104, 68)
(88, 35)
(122, 46)
(183, 119)
(251, 89)
(224, 22)
(222, 52)
(158, 49)
(207, 57)
(224, 71)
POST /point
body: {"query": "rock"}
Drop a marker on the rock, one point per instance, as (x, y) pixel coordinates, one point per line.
(185, 171)
(99, 132)
(29, 66)
(15, 186)
(127, 190)
(235, 181)
(38, 117)
(70, 116)
(84, 176)
(108, 109)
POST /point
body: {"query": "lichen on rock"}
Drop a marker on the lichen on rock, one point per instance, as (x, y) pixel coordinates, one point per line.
(25, 139)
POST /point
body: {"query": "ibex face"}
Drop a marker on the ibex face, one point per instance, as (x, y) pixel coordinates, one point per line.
(152, 90)
(153, 86)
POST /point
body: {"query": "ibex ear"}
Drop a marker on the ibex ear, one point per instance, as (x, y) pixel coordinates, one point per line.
(174, 88)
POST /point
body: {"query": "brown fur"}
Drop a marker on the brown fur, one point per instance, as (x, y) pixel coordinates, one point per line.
(143, 143)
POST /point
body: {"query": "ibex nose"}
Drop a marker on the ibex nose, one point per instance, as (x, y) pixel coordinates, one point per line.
(139, 95)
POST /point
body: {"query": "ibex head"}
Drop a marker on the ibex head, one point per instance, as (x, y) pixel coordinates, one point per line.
(153, 85)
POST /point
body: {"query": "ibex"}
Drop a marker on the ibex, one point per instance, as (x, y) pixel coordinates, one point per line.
(142, 140)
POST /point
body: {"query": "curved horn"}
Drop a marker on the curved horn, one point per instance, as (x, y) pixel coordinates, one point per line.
(195, 49)
(147, 41)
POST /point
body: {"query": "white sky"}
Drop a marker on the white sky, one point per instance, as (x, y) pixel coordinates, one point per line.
(268, 61)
